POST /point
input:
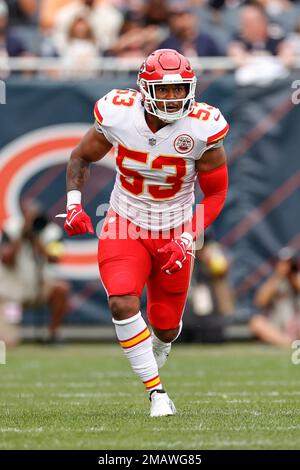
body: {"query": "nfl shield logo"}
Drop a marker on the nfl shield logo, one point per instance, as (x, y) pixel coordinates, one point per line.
(152, 141)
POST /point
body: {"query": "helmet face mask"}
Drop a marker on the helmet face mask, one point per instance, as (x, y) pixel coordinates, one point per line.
(165, 67)
(151, 102)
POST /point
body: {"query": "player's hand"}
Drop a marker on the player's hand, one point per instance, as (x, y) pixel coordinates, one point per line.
(77, 221)
(178, 249)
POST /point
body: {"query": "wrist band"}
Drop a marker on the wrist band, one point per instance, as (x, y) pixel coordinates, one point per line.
(73, 197)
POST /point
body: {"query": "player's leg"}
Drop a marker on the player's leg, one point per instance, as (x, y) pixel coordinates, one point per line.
(166, 301)
(124, 266)
(162, 342)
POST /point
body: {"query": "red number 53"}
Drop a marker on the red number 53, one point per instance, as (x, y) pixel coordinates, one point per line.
(134, 182)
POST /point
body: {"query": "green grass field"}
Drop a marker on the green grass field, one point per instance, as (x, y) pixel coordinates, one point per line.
(86, 397)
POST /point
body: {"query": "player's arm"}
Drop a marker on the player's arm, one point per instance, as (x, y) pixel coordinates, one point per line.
(213, 180)
(92, 147)
(212, 159)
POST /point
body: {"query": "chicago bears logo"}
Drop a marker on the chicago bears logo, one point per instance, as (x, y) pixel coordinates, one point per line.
(184, 143)
(38, 151)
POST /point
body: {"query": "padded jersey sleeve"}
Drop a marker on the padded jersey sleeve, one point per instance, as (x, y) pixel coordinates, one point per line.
(111, 110)
(102, 114)
(218, 129)
(209, 126)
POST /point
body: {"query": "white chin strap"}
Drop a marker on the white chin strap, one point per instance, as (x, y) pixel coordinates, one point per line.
(151, 107)
(169, 117)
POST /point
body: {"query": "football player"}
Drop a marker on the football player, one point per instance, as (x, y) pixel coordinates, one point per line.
(164, 141)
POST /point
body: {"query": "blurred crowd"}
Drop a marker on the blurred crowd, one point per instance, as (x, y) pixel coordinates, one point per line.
(79, 31)
(212, 305)
(29, 244)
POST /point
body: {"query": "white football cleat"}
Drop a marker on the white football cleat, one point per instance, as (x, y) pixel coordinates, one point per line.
(161, 404)
(161, 351)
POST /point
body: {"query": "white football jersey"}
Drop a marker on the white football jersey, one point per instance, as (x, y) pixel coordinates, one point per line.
(156, 172)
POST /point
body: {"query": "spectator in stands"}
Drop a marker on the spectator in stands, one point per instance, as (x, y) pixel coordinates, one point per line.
(281, 13)
(185, 36)
(264, 56)
(210, 304)
(211, 291)
(156, 12)
(254, 36)
(294, 39)
(105, 20)
(78, 50)
(9, 43)
(10, 316)
(136, 39)
(22, 12)
(48, 13)
(27, 245)
(278, 298)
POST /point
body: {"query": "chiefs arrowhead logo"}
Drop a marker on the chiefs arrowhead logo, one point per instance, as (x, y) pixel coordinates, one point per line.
(184, 143)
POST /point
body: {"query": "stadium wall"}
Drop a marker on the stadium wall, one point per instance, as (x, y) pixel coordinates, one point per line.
(43, 120)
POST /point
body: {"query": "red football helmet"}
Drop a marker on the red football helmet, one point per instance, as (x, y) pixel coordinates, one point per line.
(165, 66)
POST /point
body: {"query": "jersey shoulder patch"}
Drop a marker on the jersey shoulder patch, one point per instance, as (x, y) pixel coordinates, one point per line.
(209, 123)
(110, 109)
